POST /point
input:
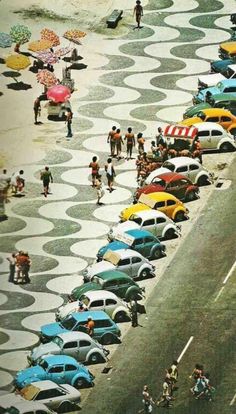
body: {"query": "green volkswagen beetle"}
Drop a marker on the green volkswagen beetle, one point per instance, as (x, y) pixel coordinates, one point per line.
(114, 281)
(221, 100)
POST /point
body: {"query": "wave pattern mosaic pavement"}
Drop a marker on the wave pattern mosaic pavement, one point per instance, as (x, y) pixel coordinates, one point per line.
(144, 80)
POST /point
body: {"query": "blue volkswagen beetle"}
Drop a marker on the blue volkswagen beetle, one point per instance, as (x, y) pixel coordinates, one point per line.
(142, 241)
(60, 369)
(224, 86)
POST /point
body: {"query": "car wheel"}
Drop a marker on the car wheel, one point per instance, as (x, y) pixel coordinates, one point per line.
(95, 358)
(226, 146)
(191, 196)
(170, 234)
(80, 383)
(203, 180)
(145, 274)
(121, 317)
(179, 216)
(157, 254)
(107, 339)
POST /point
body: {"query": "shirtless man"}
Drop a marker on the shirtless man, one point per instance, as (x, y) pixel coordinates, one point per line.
(138, 12)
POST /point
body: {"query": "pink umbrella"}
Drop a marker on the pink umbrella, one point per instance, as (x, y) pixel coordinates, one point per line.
(58, 93)
(47, 57)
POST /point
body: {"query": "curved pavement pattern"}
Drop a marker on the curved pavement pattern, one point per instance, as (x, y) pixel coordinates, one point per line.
(144, 80)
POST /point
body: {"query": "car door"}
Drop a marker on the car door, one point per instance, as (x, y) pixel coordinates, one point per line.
(84, 348)
(183, 169)
(149, 225)
(70, 348)
(147, 246)
(70, 371)
(216, 136)
(110, 306)
(160, 223)
(138, 245)
(193, 171)
(170, 207)
(51, 397)
(160, 205)
(225, 121)
(97, 304)
(181, 187)
(112, 286)
(56, 373)
(124, 265)
(136, 263)
(205, 140)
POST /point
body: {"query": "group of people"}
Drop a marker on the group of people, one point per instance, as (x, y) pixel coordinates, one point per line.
(202, 387)
(97, 177)
(19, 267)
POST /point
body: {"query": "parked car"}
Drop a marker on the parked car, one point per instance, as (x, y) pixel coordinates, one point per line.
(220, 116)
(60, 369)
(165, 202)
(189, 167)
(223, 66)
(126, 260)
(10, 406)
(104, 300)
(227, 50)
(78, 345)
(223, 100)
(213, 137)
(45, 392)
(176, 184)
(225, 86)
(141, 241)
(105, 331)
(153, 221)
(117, 282)
(206, 81)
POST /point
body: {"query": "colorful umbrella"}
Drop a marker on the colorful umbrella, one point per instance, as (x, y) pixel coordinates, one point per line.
(39, 45)
(17, 62)
(74, 35)
(47, 78)
(58, 93)
(5, 40)
(20, 34)
(47, 57)
(48, 34)
(62, 51)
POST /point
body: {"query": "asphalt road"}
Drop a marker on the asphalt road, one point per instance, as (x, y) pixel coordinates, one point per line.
(189, 300)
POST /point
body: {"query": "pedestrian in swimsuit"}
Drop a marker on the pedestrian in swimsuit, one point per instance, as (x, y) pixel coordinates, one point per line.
(110, 174)
(138, 12)
(111, 140)
(129, 137)
(46, 177)
(69, 117)
(37, 110)
(118, 141)
(95, 169)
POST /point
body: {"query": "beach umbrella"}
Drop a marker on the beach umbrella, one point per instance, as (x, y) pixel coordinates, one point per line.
(48, 34)
(74, 35)
(20, 34)
(17, 62)
(46, 77)
(58, 93)
(62, 51)
(47, 57)
(5, 40)
(39, 45)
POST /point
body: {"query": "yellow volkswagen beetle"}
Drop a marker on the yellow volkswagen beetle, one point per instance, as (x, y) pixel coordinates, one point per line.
(221, 116)
(165, 202)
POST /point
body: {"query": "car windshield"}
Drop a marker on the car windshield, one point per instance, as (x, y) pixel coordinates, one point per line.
(97, 280)
(201, 115)
(68, 323)
(58, 341)
(159, 182)
(137, 220)
(85, 299)
(43, 364)
(29, 393)
(168, 165)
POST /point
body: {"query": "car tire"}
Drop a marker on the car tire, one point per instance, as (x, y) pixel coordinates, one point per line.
(144, 274)
(107, 339)
(157, 254)
(121, 316)
(170, 234)
(80, 383)
(226, 146)
(180, 216)
(203, 180)
(191, 196)
(95, 358)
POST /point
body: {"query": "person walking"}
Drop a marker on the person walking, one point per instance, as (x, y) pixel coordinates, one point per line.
(68, 121)
(12, 267)
(118, 143)
(46, 177)
(141, 142)
(130, 140)
(111, 140)
(18, 182)
(166, 398)
(138, 12)
(99, 188)
(95, 169)
(23, 263)
(110, 172)
(134, 313)
(90, 326)
(146, 400)
(173, 376)
(37, 110)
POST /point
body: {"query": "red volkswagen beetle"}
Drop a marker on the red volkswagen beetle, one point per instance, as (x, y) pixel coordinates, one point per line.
(176, 184)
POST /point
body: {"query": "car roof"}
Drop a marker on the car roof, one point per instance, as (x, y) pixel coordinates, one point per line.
(59, 359)
(202, 126)
(150, 214)
(100, 294)
(159, 196)
(178, 161)
(228, 82)
(26, 406)
(231, 46)
(123, 253)
(73, 336)
(44, 385)
(138, 234)
(171, 176)
(216, 111)
(113, 274)
(95, 315)
(221, 97)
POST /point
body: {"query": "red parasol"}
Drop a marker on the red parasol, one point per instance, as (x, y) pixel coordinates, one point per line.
(58, 93)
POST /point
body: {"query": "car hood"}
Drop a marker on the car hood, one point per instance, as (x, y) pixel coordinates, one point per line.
(52, 329)
(98, 268)
(30, 374)
(10, 399)
(80, 290)
(45, 349)
(190, 121)
(66, 309)
(213, 90)
(193, 110)
(127, 212)
(115, 245)
(127, 225)
(150, 188)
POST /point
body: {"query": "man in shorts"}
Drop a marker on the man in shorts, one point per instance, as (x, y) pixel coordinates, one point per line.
(138, 12)
(46, 177)
(129, 137)
(111, 140)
